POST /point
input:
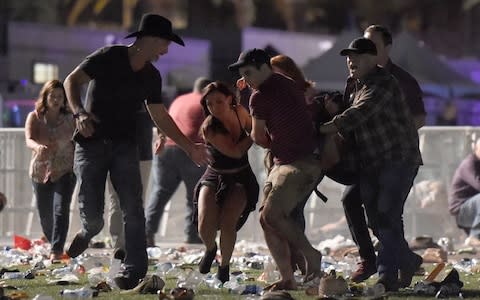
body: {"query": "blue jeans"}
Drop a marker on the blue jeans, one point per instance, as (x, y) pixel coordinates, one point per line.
(384, 191)
(53, 203)
(355, 214)
(468, 216)
(169, 169)
(94, 159)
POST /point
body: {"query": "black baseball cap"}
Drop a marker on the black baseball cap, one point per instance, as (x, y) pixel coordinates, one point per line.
(251, 57)
(360, 46)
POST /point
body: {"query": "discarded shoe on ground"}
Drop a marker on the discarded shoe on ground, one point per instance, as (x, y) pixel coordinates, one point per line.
(277, 295)
(148, 285)
(330, 286)
(448, 287)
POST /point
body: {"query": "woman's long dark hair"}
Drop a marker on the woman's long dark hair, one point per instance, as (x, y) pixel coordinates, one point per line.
(212, 123)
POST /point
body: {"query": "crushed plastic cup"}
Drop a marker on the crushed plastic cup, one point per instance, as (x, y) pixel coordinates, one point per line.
(96, 275)
(154, 252)
(213, 282)
(161, 269)
(191, 281)
(21, 242)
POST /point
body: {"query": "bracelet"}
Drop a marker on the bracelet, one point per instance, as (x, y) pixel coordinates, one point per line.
(79, 113)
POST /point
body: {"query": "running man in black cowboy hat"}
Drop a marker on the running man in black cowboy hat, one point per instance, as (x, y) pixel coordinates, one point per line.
(120, 79)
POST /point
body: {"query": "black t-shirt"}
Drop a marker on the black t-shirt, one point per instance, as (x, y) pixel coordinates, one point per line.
(116, 93)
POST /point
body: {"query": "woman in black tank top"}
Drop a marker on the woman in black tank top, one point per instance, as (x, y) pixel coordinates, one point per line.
(228, 191)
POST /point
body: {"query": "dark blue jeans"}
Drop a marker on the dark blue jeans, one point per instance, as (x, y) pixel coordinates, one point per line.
(169, 169)
(53, 203)
(93, 160)
(357, 224)
(384, 191)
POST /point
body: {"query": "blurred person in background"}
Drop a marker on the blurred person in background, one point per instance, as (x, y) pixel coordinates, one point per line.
(3, 201)
(228, 191)
(464, 198)
(448, 115)
(172, 166)
(122, 79)
(48, 132)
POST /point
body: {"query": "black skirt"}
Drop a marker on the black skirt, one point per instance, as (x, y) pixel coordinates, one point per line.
(223, 182)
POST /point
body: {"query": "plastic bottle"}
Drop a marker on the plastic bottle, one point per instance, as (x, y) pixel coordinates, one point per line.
(84, 292)
(13, 275)
(62, 271)
(269, 270)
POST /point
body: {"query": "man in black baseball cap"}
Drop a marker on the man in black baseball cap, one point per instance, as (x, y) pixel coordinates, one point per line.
(253, 56)
(386, 158)
(281, 123)
(361, 57)
(360, 46)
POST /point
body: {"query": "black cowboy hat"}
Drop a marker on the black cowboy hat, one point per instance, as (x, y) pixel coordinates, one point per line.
(156, 25)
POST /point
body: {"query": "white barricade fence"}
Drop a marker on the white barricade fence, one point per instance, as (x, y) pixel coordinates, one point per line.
(426, 210)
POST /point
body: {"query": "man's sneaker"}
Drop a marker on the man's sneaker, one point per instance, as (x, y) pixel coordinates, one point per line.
(366, 268)
(406, 274)
(78, 246)
(150, 285)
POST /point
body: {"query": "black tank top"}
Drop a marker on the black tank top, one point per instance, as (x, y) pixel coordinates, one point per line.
(224, 162)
